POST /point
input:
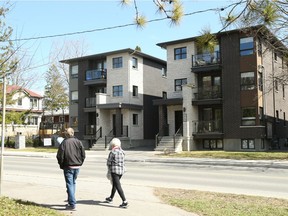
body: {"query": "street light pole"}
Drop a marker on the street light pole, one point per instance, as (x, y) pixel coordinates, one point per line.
(3, 131)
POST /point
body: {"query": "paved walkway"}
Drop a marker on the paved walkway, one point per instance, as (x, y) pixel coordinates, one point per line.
(50, 192)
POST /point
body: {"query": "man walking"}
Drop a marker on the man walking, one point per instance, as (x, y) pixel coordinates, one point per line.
(70, 156)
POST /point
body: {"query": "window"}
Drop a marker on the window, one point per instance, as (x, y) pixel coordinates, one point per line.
(284, 118)
(248, 116)
(283, 90)
(135, 91)
(246, 46)
(179, 83)
(164, 95)
(118, 91)
(135, 119)
(213, 144)
(32, 120)
(19, 102)
(33, 102)
(247, 144)
(117, 62)
(164, 72)
(134, 63)
(247, 81)
(277, 116)
(180, 53)
(74, 71)
(74, 95)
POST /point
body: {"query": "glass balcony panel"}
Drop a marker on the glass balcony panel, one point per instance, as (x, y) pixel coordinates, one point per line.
(96, 74)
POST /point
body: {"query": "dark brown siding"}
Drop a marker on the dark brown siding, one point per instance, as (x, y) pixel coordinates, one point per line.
(231, 86)
(83, 93)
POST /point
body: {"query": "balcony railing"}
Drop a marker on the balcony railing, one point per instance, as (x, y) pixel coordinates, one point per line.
(206, 59)
(95, 74)
(90, 102)
(213, 126)
(212, 92)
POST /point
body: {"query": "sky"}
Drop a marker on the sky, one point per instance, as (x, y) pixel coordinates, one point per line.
(35, 18)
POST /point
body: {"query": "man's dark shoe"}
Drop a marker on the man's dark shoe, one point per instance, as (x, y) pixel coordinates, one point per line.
(124, 205)
(109, 200)
(71, 207)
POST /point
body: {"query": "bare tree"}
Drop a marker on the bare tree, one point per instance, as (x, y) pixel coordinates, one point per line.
(68, 49)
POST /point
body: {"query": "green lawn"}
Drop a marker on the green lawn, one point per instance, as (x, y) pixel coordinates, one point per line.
(233, 155)
(221, 204)
(12, 207)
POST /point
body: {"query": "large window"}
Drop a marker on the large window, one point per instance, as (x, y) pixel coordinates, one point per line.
(118, 91)
(74, 95)
(246, 46)
(33, 103)
(117, 62)
(180, 53)
(32, 120)
(179, 83)
(248, 116)
(247, 144)
(247, 81)
(74, 71)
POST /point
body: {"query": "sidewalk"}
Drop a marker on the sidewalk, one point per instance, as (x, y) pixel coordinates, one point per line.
(90, 194)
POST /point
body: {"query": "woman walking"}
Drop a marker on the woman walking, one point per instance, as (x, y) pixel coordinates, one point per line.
(116, 168)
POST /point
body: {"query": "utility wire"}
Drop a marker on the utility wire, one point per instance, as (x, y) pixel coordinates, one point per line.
(109, 28)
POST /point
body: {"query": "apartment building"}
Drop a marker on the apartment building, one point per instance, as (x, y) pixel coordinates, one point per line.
(27, 102)
(111, 95)
(230, 99)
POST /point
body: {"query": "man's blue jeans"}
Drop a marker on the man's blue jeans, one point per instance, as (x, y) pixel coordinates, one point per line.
(70, 179)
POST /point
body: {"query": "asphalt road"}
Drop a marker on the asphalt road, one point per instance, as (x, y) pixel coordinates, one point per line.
(238, 180)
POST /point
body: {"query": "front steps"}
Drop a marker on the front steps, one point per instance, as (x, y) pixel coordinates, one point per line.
(166, 144)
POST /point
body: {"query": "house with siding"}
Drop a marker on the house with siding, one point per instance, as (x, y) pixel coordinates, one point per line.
(111, 95)
(231, 99)
(24, 100)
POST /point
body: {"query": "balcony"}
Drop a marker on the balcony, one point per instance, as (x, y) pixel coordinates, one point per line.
(97, 76)
(208, 95)
(206, 62)
(208, 129)
(90, 102)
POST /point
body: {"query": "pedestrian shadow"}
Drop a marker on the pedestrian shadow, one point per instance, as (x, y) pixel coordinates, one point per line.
(96, 202)
(54, 206)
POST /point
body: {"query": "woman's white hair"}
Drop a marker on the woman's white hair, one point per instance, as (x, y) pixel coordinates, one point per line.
(115, 142)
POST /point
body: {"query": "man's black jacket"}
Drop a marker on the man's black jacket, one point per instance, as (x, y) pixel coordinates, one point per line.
(71, 152)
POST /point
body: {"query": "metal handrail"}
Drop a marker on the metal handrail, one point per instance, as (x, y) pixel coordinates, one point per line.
(176, 134)
(98, 134)
(109, 135)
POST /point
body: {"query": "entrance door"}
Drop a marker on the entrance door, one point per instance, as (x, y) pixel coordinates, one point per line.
(115, 124)
(178, 120)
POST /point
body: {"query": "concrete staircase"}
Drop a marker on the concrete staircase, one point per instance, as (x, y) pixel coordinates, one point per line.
(99, 145)
(166, 144)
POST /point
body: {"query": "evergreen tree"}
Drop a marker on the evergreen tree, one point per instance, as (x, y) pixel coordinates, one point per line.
(55, 95)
